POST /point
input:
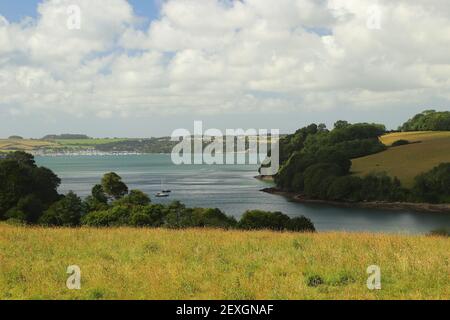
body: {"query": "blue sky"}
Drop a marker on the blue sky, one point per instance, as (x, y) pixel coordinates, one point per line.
(15, 10)
(252, 64)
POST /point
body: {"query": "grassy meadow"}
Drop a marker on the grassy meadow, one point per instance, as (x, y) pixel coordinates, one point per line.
(129, 263)
(406, 162)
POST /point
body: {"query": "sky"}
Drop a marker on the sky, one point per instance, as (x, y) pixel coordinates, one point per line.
(141, 68)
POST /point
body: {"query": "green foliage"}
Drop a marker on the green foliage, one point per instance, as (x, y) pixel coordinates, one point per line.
(135, 197)
(434, 185)
(337, 147)
(321, 168)
(28, 209)
(113, 186)
(346, 188)
(318, 177)
(400, 142)
(99, 194)
(300, 224)
(20, 177)
(428, 120)
(65, 212)
(258, 219)
(65, 136)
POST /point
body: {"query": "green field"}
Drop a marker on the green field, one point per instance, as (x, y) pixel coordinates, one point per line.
(407, 161)
(87, 142)
(129, 263)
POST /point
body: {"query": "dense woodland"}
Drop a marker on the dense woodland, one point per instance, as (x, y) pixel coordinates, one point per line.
(316, 162)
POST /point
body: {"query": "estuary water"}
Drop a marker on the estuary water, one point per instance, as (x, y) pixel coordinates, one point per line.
(231, 188)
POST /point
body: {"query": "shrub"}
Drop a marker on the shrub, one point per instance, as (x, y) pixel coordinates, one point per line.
(400, 142)
(65, 212)
(116, 216)
(148, 216)
(258, 219)
(98, 219)
(134, 198)
(300, 224)
(29, 209)
(213, 218)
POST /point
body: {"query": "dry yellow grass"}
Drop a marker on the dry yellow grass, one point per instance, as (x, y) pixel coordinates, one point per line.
(414, 136)
(407, 161)
(212, 264)
(25, 145)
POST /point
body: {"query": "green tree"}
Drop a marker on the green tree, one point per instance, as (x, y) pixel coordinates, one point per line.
(99, 194)
(113, 186)
(258, 219)
(65, 212)
(28, 209)
(135, 198)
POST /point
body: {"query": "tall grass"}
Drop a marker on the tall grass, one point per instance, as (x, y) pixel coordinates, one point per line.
(214, 264)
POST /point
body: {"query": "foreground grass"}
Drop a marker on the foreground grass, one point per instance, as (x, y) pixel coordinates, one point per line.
(407, 161)
(212, 264)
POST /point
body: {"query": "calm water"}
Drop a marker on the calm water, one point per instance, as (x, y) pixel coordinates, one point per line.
(230, 188)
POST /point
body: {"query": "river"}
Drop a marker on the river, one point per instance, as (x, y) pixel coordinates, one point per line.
(231, 188)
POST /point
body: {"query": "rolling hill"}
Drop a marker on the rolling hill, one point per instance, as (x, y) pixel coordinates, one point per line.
(427, 150)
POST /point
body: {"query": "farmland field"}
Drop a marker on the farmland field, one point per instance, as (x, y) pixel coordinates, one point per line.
(406, 162)
(30, 145)
(86, 142)
(25, 144)
(127, 263)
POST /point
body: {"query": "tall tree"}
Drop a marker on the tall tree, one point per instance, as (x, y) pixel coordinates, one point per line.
(113, 186)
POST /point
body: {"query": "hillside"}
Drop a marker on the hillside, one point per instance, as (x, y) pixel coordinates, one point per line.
(153, 145)
(213, 264)
(24, 144)
(406, 162)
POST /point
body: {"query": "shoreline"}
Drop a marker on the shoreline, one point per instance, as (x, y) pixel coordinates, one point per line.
(393, 206)
(265, 178)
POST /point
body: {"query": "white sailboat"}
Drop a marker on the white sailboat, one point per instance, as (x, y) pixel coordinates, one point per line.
(164, 193)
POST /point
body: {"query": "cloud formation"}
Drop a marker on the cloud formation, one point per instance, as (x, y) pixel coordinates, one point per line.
(223, 56)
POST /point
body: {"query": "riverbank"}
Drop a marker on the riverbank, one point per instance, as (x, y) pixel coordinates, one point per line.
(127, 263)
(395, 206)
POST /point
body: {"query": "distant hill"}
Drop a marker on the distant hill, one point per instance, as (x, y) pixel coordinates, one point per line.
(152, 145)
(425, 151)
(65, 136)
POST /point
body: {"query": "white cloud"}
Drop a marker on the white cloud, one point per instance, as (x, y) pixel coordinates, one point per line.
(211, 56)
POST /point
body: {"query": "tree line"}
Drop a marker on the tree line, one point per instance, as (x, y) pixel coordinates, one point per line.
(428, 120)
(28, 195)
